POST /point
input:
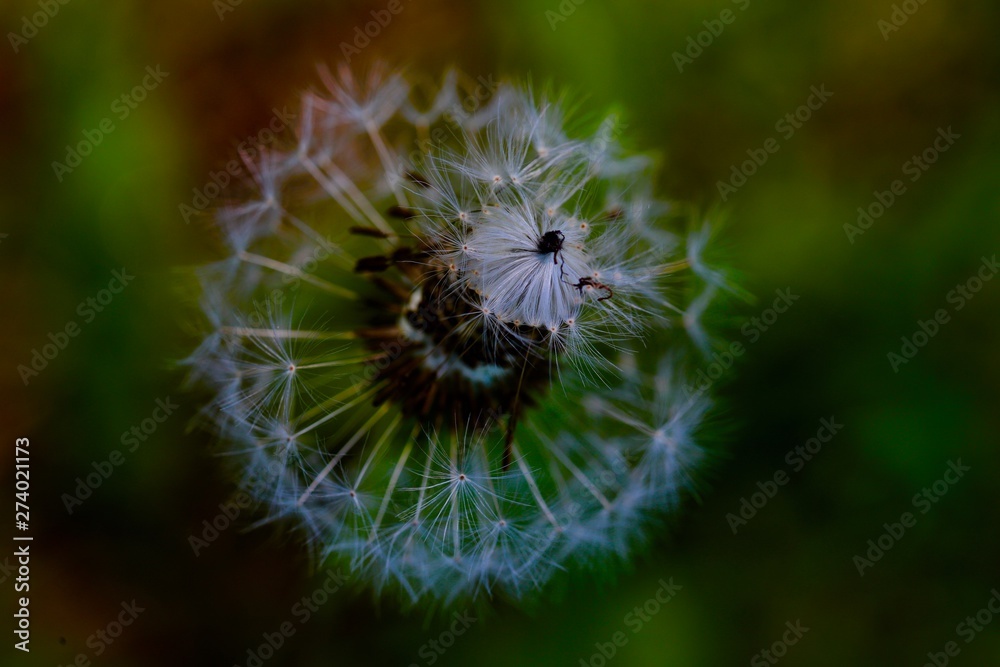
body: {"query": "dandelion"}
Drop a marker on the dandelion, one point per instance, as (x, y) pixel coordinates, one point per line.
(427, 345)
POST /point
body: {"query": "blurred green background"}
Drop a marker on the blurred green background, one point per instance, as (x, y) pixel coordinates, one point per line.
(826, 356)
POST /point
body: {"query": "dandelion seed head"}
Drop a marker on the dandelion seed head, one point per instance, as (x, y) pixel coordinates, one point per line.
(429, 344)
